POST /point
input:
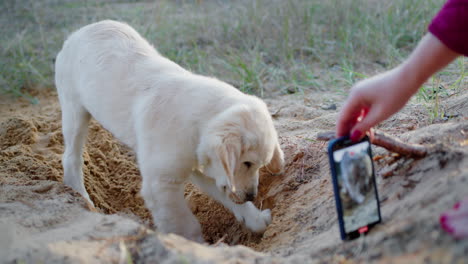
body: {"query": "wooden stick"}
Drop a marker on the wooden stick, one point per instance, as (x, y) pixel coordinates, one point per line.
(388, 142)
(221, 240)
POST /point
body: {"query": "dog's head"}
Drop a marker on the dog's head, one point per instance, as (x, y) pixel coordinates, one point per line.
(237, 143)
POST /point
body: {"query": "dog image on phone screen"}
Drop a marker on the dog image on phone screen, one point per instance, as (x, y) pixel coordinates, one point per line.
(356, 172)
(182, 126)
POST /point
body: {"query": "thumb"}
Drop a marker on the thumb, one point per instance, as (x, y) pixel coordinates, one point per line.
(360, 128)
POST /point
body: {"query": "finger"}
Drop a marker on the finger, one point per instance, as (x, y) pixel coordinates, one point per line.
(348, 116)
(371, 135)
(361, 128)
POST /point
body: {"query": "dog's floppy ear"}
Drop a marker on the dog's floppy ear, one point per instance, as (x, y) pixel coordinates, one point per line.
(228, 152)
(277, 161)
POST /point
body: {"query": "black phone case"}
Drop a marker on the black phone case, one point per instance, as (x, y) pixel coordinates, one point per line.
(354, 234)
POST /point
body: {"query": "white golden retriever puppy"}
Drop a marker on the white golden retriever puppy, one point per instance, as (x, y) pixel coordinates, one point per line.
(182, 126)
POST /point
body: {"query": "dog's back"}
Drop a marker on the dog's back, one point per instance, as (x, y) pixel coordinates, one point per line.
(97, 70)
(114, 74)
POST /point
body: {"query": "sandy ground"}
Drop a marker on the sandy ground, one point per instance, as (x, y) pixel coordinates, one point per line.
(41, 220)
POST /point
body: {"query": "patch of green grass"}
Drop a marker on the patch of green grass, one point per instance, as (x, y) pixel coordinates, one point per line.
(461, 71)
(260, 46)
(250, 71)
(430, 94)
(443, 84)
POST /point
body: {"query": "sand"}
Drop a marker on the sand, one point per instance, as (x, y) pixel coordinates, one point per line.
(43, 220)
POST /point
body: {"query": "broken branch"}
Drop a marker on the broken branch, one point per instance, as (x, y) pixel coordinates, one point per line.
(388, 142)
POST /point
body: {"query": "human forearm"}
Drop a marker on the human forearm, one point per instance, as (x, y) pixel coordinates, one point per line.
(430, 56)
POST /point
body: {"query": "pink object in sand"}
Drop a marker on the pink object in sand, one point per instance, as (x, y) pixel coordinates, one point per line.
(455, 220)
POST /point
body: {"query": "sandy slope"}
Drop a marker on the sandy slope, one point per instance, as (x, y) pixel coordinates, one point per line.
(42, 220)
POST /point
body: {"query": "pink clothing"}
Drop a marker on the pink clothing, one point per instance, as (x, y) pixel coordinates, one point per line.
(450, 25)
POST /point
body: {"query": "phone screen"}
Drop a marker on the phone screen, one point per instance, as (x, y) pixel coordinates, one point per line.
(355, 187)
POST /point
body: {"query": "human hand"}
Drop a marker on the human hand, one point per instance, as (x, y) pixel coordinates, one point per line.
(373, 100)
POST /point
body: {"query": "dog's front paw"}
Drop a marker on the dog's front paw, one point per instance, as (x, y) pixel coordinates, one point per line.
(255, 219)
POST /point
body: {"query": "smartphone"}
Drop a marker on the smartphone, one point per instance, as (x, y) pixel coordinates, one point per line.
(356, 196)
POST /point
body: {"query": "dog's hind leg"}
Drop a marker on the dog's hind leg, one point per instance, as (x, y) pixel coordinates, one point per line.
(75, 121)
(246, 213)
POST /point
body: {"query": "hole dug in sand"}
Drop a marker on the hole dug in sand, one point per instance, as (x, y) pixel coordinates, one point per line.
(31, 149)
(286, 195)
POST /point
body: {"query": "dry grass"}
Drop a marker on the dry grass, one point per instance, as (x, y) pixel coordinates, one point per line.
(263, 47)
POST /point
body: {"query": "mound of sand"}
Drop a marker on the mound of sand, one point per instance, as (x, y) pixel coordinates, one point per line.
(49, 222)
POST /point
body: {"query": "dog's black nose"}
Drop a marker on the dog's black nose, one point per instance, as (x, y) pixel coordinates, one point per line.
(249, 196)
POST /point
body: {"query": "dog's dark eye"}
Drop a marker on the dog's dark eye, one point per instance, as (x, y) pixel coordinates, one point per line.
(248, 164)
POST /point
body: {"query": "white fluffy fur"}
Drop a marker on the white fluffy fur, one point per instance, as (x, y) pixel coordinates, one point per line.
(181, 125)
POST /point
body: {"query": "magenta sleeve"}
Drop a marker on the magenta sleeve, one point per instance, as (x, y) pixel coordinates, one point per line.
(450, 25)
